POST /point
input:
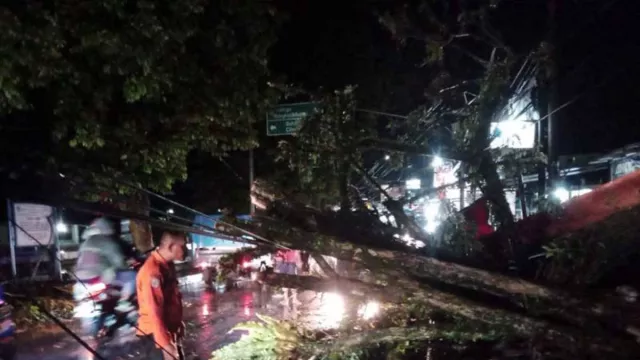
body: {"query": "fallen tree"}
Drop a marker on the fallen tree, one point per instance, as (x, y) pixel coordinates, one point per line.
(482, 292)
(507, 304)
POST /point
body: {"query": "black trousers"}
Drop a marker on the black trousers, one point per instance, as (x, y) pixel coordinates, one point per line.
(149, 350)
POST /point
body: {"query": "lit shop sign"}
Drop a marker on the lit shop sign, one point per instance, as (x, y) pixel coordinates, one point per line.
(396, 192)
(445, 174)
(624, 166)
(413, 184)
(513, 134)
(515, 127)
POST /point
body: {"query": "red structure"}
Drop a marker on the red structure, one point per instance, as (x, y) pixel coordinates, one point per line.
(618, 195)
(478, 214)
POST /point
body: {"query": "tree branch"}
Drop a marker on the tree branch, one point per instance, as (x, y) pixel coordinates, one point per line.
(390, 145)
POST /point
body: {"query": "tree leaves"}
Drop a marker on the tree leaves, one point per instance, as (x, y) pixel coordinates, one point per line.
(129, 89)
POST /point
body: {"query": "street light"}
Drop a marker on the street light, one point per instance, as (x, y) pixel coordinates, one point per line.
(170, 211)
(413, 184)
(62, 228)
(437, 162)
(387, 157)
(561, 194)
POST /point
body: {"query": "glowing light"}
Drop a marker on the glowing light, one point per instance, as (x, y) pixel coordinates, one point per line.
(561, 194)
(332, 310)
(96, 288)
(431, 214)
(62, 228)
(86, 309)
(387, 157)
(413, 184)
(246, 264)
(437, 162)
(369, 310)
(580, 192)
(169, 211)
(205, 310)
(514, 134)
(431, 227)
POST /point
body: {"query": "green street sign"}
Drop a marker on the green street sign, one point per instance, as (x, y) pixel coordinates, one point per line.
(286, 119)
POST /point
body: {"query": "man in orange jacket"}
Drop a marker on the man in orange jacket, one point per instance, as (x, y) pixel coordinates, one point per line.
(159, 299)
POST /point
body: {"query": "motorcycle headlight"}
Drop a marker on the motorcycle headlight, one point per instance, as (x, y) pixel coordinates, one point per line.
(86, 309)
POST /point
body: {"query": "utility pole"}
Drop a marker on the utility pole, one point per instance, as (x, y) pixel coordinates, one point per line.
(252, 208)
(552, 97)
(542, 168)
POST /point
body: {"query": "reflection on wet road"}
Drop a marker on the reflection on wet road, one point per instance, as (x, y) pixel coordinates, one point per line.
(208, 317)
(211, 315)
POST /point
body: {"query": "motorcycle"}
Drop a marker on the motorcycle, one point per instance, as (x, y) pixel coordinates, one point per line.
(7, 329)
(103, 306)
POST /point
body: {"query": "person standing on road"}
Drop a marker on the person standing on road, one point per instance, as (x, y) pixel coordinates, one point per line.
(290, 264)
(160, 302)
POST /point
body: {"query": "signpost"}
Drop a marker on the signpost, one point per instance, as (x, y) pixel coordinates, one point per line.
(285, 119)
(31, 226)
(624, 166)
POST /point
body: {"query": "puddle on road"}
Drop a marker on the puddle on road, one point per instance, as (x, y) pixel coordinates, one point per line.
(209, 317)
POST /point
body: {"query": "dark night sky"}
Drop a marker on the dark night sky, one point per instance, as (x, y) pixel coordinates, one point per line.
(327, 45)
(332, 46)
(605, 54)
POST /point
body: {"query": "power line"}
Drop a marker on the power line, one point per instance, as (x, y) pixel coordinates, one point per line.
(246, 232)
(225, 163)
(57, 321)
(46, 312)
(577, 97)
(403, 117)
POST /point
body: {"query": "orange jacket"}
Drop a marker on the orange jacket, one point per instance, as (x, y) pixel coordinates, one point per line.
(159, 300)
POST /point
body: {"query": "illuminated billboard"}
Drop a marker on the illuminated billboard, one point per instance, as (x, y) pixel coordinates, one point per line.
(513, 134)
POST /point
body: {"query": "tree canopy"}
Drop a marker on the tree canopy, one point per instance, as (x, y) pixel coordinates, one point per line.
(432, 300)
(125, 90)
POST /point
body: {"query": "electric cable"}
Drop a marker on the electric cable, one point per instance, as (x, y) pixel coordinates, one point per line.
(66, 329)
(183, 228)
(58, 322)
(156, 195)
(114, 212)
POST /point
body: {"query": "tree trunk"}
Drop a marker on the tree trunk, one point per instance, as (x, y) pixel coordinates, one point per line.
(343, 178)
(140, 230)
(494, 191)
(401, 274)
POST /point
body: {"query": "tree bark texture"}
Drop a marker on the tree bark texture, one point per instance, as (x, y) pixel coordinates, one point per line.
(140, 230)
(400, 273)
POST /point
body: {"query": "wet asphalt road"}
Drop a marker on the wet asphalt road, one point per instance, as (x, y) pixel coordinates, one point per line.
(208, 316)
